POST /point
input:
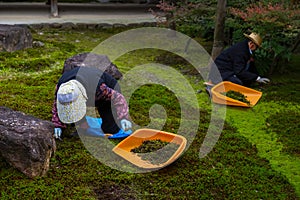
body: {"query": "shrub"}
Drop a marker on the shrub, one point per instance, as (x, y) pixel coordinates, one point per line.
(275, 23)
(191, 17)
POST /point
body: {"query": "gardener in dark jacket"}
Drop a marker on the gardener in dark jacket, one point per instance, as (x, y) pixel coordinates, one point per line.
(236, 63)
(82, 87)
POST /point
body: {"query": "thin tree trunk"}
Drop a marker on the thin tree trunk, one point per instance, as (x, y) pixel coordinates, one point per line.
(296, 43)
(219, 37)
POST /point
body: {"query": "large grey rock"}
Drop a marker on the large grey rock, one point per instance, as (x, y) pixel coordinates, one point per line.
(98, 61)
(14, 37)
(26, 142)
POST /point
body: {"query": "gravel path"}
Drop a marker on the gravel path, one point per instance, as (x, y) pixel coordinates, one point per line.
(93, 13)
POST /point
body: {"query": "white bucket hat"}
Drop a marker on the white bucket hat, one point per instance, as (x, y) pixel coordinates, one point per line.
(71, 102)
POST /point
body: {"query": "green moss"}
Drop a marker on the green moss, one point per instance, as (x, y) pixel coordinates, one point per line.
(246, 163)
(285, 88)
(286, 125)
(146, 96)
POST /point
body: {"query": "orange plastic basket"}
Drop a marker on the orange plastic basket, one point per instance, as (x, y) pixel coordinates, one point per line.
(136, 139)
(251, 95)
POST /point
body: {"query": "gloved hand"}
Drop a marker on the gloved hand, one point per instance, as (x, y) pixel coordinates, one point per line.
(57, 133)
(125, 124)
(262, 80)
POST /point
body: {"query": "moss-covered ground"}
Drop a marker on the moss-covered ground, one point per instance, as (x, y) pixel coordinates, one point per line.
(256, 157)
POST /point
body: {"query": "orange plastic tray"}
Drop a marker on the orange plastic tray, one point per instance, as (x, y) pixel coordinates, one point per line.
(136, 139)
(251, 95)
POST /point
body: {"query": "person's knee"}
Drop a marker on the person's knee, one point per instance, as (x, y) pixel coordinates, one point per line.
(235, 79)
(111, 128)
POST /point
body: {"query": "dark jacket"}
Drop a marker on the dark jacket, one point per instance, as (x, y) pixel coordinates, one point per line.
(233, 61)
(91, 79)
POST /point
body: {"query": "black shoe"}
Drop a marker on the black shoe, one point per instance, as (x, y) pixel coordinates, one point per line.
(74, 134)
(208, 91)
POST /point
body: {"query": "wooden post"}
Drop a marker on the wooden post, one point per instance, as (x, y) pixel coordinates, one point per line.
(54, 8)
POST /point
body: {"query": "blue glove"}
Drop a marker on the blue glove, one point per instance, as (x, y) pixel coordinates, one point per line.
(57, 133)
(125, 124)
(93, 122)
(95, 132)
(121, 134)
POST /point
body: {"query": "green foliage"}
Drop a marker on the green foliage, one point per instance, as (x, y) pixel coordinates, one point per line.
(275, 22)
(203, 2)
(196, 24)
(193, 18)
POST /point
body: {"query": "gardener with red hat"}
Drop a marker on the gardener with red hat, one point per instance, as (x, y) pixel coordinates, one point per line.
(236, 63)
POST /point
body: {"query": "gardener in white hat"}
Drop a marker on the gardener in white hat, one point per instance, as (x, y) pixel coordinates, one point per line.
(85, 86)
(236, 63)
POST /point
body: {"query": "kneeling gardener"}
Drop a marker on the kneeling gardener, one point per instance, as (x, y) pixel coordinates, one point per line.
(82, 87)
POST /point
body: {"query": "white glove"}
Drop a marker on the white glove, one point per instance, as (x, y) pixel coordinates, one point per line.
(262, 80)
(57, 133)
(125, 124)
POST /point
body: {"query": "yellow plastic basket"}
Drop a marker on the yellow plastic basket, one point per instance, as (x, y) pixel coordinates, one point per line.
(124, 148)
(251, 95)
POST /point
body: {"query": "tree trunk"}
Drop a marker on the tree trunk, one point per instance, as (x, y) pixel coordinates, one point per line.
(296, 43)
(219, 38)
